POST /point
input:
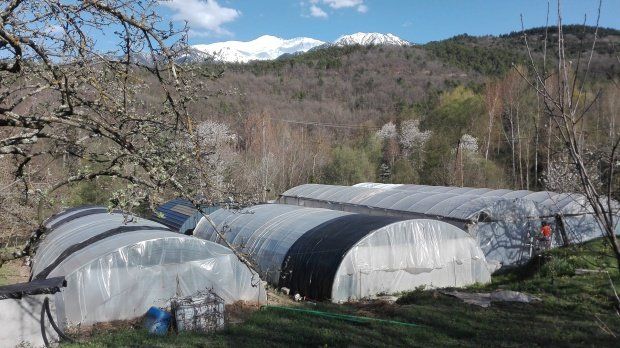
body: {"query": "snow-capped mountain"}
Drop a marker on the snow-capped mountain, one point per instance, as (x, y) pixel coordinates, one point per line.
(266, 47)
(366, 39)
(269, 47)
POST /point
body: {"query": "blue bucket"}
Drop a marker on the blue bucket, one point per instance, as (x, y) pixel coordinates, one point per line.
(157, 321)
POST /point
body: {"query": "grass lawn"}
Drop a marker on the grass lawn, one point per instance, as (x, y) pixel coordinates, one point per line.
(577, 310)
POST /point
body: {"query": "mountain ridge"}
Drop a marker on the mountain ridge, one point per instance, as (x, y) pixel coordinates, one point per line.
(366, 39)
(269, 47)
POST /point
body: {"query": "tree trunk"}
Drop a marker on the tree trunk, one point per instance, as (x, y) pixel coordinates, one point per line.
(520, 150)
(512, 148)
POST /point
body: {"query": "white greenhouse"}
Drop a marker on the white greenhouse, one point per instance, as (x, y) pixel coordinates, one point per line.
(570, 213)
(500, 226)
(117, 269)
(327, 254)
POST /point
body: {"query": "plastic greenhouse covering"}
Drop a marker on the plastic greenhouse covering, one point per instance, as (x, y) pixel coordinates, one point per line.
(500, 225)
(116, 269)
(570, 209)
(190, 224)
(174, 213)
(327, 254)
(180, 215)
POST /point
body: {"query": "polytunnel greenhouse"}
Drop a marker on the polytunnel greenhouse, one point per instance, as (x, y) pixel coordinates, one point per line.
(499, 225)
(570, 213)
(327, 254)
(174, 213)
(117, 269)
(180, 215)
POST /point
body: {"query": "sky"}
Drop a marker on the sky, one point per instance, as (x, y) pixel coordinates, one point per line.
(418, 21)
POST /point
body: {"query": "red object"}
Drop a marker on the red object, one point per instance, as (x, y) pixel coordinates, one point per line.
(546, 231)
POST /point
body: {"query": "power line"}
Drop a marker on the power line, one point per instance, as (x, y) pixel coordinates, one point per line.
(321, 124)
(359, 126)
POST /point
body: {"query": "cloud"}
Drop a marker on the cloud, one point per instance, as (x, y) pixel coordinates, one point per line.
(203, 17)
(338, 4)
(316, 11)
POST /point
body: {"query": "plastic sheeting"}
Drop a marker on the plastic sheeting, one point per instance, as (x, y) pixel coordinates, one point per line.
(190, 224)
(174, 213)
(36, 287)
(574, 210)
(500, 225)
(408, 254)
(312, 261)
(557, 202)
(458, 207)
(322, 253)
(120, 276)
(78, 226)
(266, 232)
(180, 215)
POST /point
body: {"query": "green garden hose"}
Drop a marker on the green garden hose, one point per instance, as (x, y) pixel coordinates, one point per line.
(352, 318)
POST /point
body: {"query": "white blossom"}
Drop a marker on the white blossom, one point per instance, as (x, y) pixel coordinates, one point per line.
(211, 133)
(469, 144)
(388, 131)
(411, 136)
(561, 175)
(211, 150)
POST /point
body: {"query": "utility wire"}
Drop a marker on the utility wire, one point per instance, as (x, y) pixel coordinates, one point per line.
(360, 126)
(321, 124)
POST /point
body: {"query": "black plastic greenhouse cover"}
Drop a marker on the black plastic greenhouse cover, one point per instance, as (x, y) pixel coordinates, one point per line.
(310, 265)
(35, 287)
(84, 211)
(69, 211)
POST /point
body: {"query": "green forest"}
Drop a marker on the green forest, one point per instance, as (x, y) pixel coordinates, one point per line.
(461, 111)
(455, 112)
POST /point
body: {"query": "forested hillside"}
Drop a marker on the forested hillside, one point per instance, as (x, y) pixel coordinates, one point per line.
(454, 112)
